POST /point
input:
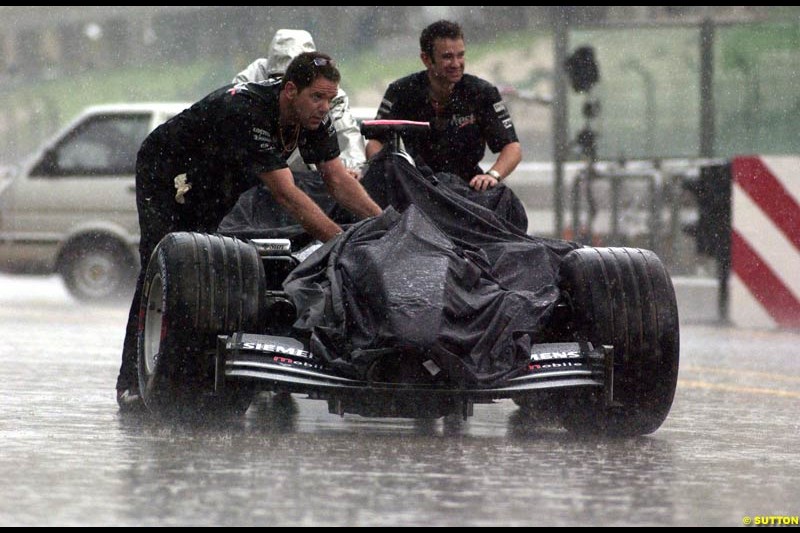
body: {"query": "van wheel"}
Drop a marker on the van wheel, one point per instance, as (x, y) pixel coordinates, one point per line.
(197, 286)
(97, 269)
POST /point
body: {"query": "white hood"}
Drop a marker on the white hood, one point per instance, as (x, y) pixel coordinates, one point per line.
(285, 46)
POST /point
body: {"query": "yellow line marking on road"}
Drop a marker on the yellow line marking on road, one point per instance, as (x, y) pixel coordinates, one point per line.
(737, 372)
(736, 388)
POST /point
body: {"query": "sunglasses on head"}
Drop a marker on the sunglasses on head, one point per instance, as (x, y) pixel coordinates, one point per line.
(321, 62)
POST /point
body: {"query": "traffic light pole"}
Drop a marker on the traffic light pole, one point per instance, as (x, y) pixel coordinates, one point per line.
(560, 140)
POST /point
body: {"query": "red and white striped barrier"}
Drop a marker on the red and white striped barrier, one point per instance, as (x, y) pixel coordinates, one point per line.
(765, 242)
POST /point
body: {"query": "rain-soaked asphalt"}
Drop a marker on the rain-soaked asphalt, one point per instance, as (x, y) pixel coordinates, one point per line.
(728, 450)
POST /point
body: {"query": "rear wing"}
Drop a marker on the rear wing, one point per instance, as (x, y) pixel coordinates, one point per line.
(392, 130)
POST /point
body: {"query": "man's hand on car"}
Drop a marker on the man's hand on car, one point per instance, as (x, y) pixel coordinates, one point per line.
(482, 182)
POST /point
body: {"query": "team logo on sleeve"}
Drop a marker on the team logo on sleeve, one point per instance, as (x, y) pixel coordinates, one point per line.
(385, 107)
(502, 114)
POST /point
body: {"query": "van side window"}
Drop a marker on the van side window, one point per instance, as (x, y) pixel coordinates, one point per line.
(102, 145)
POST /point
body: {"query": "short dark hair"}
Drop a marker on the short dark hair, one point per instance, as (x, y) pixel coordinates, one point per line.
(441, 29)
(307, 67)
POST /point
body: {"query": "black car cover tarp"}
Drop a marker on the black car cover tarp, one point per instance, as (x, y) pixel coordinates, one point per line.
(257, 214)
(437, 278)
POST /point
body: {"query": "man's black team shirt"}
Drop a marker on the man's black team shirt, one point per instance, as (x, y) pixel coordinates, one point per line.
(474, 117)
(224, 141)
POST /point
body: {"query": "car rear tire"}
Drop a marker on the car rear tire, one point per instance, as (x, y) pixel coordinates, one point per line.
(97, 269)
(623, 297)
(197, 286)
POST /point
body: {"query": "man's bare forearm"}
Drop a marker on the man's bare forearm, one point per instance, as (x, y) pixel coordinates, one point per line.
(373, 147)
(352, 196)
(348, 192)
(305, 211)
(300, 206)
(508, 159)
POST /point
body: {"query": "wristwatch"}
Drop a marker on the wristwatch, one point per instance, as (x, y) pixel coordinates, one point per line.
(495, 174)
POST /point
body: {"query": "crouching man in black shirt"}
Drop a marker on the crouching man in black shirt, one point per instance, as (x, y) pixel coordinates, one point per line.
(226, 143)
(466, 113)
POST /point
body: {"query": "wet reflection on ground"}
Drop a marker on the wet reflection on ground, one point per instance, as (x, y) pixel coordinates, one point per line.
(726, 451)
(296, 464)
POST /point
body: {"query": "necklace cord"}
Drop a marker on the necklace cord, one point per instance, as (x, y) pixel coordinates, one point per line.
(293, 145)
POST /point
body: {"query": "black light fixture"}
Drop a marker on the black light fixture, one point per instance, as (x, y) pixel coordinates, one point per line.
(582, 69)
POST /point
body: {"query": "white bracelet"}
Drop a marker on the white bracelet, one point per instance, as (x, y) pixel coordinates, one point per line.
(495, 174)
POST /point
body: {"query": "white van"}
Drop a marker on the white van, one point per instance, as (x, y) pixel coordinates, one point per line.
(71, 208)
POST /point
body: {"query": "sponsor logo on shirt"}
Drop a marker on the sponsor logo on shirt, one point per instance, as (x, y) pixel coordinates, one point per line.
(459, 121)
(260, 134)
(264, 139)
(507, 124)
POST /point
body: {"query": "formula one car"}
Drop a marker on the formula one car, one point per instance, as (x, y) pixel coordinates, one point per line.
(422, 312)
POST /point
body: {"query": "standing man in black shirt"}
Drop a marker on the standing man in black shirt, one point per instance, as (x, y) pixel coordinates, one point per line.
(226, 143)
(466, 113)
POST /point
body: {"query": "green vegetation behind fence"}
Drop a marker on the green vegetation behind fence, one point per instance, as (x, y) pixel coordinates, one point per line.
(649, 89)
(650, 93)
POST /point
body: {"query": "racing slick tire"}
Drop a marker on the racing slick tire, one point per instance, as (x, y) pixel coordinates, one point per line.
(623, 297)
(196, 287)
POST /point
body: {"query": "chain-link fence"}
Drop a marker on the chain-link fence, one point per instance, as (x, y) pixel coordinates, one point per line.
(650, 94)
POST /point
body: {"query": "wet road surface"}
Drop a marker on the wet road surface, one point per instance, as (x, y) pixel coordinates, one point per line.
(728, 449)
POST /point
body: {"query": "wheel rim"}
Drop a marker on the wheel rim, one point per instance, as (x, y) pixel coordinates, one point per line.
(96, 275)
(154, 323)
